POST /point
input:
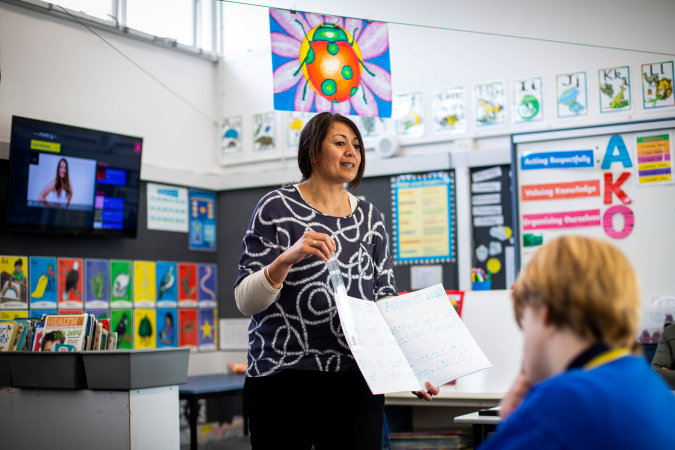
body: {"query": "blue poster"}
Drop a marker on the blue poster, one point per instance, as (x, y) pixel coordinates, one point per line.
(572, 159)
(208, 329)
(99, 313)
(167, 284)
(37, 313)
(207, 285)
(42, 283)
(202, 220)
(167, 331)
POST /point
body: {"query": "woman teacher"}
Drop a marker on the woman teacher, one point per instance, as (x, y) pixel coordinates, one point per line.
(303, 386)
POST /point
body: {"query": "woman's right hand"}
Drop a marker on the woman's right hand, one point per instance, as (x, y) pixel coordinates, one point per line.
(310, 244)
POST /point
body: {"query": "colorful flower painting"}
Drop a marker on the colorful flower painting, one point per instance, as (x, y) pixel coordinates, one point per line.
(330, 64)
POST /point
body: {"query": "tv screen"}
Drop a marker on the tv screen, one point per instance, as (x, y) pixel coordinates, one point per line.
(71, 180)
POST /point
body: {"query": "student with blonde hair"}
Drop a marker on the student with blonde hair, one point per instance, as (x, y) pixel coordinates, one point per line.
(578, 304)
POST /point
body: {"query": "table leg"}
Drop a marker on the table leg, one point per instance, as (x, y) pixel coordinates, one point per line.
(245, 410)
(194, 413)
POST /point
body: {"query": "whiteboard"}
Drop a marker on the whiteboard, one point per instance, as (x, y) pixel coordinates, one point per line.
(650, 246)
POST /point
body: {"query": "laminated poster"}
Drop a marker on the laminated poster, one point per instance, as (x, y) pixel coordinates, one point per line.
(657, 86)
(97, 285)
(42, 282)
(489, 106)
(167, 208)
(145, 326)
(202, 220)
(187, 323)
(230, 136)
(187, 285)
(144, 284)
(167, 327)
(13, 282)
(167, 284)
(70, 283)
(13, 314)
(38, 313)
(571, 95)
(208, 329)
(654, 155)
(373, 127)
(448, 107)
(330, 64)
(122, 323)
(408, 114)
(122, 286)
(264, 131)
(99, 314)
(528, 100)
(207, 277)
(295, 122)
(615, 90)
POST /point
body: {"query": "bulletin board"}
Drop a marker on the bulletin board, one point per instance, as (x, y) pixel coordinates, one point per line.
(613, 182)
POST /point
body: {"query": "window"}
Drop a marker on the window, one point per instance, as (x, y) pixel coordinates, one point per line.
(164, 18)
(245, 28)
(101, 9)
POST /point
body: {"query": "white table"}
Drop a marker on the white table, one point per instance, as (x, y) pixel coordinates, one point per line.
(482, 425)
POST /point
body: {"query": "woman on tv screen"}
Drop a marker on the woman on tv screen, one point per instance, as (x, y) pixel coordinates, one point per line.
(58, 192)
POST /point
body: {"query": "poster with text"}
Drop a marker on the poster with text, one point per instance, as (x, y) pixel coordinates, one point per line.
(167, 208)
(208, 329)
(654, 156)
(167, 284)
(571, 95)
(448, 107)
(187, 328)
(408, 114)
(330, 64)
(70, 283)
(187, 287)
(202, 220)
(657, 86)
(13, 314)
(489, 104)
(42, 282)
(230, 136)
(167, 327)
(97, 285)
(122, 323)
(122, 286)
(615, 90)
(528, 100)
(145, 326)
(264, 128)
(295, 123)
(145, 295)
(207, 277)
(13, 282)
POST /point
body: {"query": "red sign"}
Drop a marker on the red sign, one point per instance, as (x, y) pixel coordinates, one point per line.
(570, 219)
(554, 191)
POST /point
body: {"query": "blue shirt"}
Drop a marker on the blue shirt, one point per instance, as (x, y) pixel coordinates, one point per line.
(619, 405)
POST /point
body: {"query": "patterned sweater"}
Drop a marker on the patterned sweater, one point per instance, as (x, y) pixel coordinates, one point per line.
(301, 330)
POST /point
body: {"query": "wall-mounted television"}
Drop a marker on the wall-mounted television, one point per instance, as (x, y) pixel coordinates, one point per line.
(71, 180)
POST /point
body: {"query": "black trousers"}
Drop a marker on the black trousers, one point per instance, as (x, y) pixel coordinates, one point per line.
(296, 409)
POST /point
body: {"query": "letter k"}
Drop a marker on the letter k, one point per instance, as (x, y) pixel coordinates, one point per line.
(616, 188)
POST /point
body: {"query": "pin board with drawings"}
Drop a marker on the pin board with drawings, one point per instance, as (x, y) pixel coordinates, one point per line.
(613, 182)
(492, 223)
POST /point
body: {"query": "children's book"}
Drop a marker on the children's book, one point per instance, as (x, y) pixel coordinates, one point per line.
(37, 336)
(104, 340)
(207, 285)
(167, 327)
(145, 295)
(122, 286)
(64, 348)
(97, 337)
(112, 341)
(65, 329)
(43, 292)
(13, 282)
(122, 324)
(167, 284)
(187, 324)
(105, 323)
(70, 283)
(208, 329)
(145, 324)
(187, 285)
(7, 333)
(97, 284)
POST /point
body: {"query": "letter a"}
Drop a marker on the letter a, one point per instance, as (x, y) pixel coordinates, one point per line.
(616, 188)
(616, 141)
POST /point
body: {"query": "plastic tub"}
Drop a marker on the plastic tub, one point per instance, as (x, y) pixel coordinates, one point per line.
(48, 370)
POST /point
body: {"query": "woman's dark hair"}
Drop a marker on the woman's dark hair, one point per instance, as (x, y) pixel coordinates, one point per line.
(168, 316)
(309, 148)
(62, 184)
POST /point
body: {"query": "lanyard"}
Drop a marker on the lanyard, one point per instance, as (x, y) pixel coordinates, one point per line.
(606, 358)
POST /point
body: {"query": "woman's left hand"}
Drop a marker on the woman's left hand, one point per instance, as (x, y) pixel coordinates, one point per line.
(429, 393)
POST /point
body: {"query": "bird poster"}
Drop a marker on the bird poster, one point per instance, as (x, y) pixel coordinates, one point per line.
(99, 314)
(615, 90)
(657, 86)
(264, 131)
(42, 282)
(70, 283)
(571, 95)
(167, 327)
(187, 285)
(167, 284)
(330, 64)
(121, 284)
(448, 107)
(96, 273)
(122, 323)
(528, 101)
(187, 328)
(295, 123)
(207, 283)
(408, 114)
(13, 282)
(202, 220)
(145, 324)
(230, 136)
(145, 295)
(208, 329)
(489, 106)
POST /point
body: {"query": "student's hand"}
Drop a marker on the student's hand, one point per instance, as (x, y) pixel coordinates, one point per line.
(427, 395)
(310, 244)
(515, 396)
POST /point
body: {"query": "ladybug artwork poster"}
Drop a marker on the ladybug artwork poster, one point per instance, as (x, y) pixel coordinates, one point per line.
(330, 64)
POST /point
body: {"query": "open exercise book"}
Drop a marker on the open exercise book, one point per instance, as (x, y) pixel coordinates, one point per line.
(408, 340)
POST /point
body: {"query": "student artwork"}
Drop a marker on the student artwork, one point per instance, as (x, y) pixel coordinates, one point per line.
(295, 122)
(408, 113)
(187, 285)
(145, 295)
(167, 327)
(167, 284)
(571, 95)
(230, 136)
(615, 89)
(207, 283)
(70, 283)
(122, 286)
(42, 283)
(330, 64)
(145, 325)
(187, 324)
(489, 107)
(13, 282)
(528, 100)
(657, 86)
(448, 105)
(264, 131)
(208, 329)
(96, 273)
(373, 127)
(122, 323)
(202, 220)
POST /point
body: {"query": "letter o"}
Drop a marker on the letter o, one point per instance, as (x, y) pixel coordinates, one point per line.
(628, 221)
